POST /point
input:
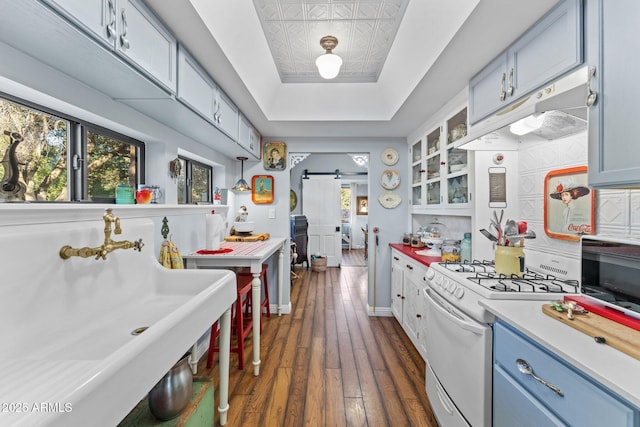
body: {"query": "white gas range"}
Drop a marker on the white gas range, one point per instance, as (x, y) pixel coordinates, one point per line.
(459, 335)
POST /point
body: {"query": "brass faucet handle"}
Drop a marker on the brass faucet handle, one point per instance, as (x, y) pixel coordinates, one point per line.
(102, 253)
(137, 245)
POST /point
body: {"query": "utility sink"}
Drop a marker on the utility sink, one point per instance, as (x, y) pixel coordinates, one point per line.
(72, 352)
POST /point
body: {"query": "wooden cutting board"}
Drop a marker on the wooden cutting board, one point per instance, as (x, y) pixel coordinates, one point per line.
(247, 238)
(618, 336)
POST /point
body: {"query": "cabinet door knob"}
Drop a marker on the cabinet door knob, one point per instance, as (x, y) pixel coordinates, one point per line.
(124, 41)
(419, 316)
(525, 368)
(591, 94)
(510, 89)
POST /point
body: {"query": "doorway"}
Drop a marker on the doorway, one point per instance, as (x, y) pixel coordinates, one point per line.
(353, 176)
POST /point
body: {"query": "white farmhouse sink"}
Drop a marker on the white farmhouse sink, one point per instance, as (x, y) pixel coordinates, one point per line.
(68, 357)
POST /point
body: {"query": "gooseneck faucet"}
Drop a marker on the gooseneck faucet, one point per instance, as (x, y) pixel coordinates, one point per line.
(108, 246)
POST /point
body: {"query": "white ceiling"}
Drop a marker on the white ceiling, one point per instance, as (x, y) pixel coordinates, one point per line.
(438, 46)
(365, 30)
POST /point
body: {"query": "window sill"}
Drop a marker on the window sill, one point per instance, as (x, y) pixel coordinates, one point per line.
(40, 213)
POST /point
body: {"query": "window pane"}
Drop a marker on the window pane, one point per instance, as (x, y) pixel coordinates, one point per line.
(182, 183)
(200, 183)
(345, 203)
(34, 168)
(109, 163)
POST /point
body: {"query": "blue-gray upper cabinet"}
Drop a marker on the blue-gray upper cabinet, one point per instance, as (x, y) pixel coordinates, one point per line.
(248, 137)
(550, 48)
(131, 29)
(195, 87)
(226, 115)
(197, 90)
(612, 48)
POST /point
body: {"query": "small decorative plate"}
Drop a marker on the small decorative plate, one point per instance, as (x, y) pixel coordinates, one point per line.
(293, 200)
(389, 157)
(389, 199)
(390, 179)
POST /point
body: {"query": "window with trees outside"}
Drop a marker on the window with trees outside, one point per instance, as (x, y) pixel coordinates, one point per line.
(195, 182)
(50, 157)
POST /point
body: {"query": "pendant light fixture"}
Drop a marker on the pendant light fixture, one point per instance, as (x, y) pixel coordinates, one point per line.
(328, 63)
(241, 185)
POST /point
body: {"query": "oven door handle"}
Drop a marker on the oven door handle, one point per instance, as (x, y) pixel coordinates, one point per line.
(454, 317)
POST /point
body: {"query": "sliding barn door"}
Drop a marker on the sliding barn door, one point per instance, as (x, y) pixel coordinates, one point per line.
(321, 206)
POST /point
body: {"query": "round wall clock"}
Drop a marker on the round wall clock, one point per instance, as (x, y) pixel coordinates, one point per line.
(389, 157)
(390, 179)
(389, 199)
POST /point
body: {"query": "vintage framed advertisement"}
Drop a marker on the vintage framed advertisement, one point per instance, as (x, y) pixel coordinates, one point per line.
(274, 155)
(362, 205)
(569, 204)
(262, 189)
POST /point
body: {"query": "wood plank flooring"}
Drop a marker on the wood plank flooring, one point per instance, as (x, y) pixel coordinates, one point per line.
(329, 364)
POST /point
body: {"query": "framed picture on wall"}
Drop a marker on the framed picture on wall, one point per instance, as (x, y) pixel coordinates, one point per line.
(274, 156)
(568, 204)
(262, 189)
(362, 205)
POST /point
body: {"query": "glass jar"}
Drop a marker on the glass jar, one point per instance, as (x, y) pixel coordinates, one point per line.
(451, 251)
(406, 239)
(416, 241)
(465, 248)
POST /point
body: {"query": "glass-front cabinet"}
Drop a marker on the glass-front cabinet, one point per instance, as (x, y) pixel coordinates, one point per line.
(441, 170)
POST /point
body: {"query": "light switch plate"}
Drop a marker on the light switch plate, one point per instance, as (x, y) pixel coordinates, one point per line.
(272, 213)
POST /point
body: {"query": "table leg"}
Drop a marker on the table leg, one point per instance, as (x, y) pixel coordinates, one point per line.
(280, 277)
(225, 348)
(256, 310)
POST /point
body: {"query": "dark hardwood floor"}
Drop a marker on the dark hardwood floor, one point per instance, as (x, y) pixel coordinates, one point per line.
(329, 364)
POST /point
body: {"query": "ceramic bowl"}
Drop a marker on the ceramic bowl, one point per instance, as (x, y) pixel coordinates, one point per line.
(244, 226)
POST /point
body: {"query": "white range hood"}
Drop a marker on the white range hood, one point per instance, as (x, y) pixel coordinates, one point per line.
(558, 109)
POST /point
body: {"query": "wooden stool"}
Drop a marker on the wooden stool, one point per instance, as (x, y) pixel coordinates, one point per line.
(241, 324)
(264, 303)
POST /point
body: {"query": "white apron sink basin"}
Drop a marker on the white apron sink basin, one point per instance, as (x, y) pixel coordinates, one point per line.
(69, 357)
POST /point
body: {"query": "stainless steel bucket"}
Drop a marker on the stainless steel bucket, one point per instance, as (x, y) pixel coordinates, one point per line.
(172, 393)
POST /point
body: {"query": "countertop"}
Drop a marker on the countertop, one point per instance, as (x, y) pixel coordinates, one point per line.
(612, 368)
(411, 253)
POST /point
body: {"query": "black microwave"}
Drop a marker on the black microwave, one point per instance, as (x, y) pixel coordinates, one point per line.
(611, 272)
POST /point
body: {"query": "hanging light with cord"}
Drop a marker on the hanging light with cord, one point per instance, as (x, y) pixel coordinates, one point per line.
(241, 185)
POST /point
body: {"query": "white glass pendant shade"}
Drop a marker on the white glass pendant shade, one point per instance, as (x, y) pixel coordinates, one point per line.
(328, 65)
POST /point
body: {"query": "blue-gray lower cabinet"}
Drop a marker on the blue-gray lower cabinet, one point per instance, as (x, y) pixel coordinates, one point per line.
(520, 400)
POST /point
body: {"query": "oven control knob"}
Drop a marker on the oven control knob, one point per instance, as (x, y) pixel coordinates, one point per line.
(430, 274)
(458, 292)
(451, 286)
(438, 280)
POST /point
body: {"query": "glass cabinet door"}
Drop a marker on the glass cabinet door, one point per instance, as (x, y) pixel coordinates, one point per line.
(416, 196)
(433, 193)
(456, 160)
(433, 167)
(458, 189)
(457, 126)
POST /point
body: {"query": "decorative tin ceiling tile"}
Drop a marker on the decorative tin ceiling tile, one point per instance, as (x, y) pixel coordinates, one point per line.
(365, 30)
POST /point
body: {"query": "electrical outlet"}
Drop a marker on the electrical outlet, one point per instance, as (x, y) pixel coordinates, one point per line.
(272, 213)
